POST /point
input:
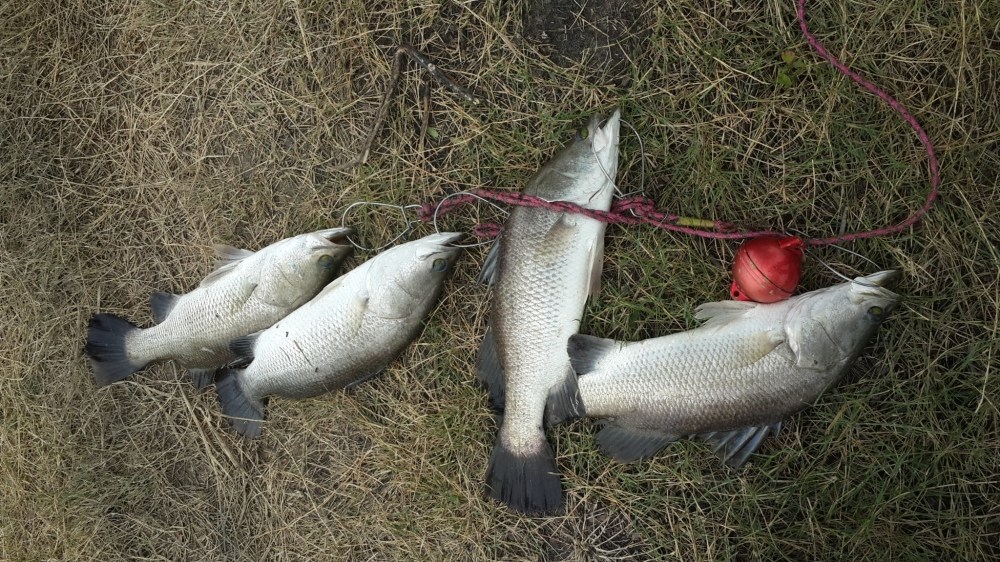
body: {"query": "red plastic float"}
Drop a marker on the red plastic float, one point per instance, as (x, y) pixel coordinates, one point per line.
(767, 269)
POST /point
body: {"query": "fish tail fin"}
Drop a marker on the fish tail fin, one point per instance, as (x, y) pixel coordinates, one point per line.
(106, 335)
(564, 402)
(526, 481)
(245, 412)
(586, 353)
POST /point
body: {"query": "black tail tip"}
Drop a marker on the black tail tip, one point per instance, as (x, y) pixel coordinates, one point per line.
(106, 348)
(245, 414)
(528, 484)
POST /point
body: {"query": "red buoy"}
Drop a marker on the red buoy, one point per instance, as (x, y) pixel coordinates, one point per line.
(767, 269)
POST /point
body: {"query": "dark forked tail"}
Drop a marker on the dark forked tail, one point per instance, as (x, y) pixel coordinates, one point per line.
(106, 334)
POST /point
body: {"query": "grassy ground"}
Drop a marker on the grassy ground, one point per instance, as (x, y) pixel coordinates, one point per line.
(135, 134)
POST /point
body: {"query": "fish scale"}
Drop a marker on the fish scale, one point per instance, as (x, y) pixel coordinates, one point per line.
(732, 380)
(543, 268)
(249, 291)
(348, 333)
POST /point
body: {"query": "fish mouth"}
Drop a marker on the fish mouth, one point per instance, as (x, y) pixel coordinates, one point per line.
(448, 239)
(336, 235)
(613, 120)
(883, 279)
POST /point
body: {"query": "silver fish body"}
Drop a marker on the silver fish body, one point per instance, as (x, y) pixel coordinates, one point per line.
(732, 380)
(542, 270)
(349, 332)
(247, 292)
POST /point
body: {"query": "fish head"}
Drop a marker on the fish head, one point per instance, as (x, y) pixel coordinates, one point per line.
(827, 329)
(300, 266)
(584, 171)
(403, 281)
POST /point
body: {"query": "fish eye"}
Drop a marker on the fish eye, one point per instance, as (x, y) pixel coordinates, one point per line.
(439, 265)
(582, 133)
(876, 312)
(325, 261)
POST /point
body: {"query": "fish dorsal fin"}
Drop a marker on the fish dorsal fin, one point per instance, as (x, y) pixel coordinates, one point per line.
(161, 303)
(722, 312)
(626, 444)
(226, 253)
(491, 265)
(596, 265)
(735, 447)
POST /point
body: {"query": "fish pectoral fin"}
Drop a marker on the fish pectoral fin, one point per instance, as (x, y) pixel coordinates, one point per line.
(564, 401)
(596, 265)
(491, 264)
(627, 444)
(722, 312)
(735, 447)
(587, 352)
(489, 371)
(559, 235)
(161, 303)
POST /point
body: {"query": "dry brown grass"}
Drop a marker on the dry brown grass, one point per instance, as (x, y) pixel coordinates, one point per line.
(134, 134)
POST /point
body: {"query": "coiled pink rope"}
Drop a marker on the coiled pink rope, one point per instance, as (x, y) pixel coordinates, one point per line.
(640, 210)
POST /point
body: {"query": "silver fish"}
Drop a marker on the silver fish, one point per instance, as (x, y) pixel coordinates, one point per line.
(354, 328)
(248, 292)
(542, 269)
(732, 380)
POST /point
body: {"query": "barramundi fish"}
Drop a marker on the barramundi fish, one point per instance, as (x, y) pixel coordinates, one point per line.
(348, 333)
(732, 380)
(542, 269)
(247, 292)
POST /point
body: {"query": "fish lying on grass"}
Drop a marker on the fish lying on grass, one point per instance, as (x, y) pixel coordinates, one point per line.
(248, 292)
(732, 380)
(347, 334)
(542, 269)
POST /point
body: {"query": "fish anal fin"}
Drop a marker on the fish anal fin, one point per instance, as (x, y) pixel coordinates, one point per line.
(628, 444)
(161, 303)
(245, 413)
(489, 371)
(734, 447)
(564, 401)
(202, 378)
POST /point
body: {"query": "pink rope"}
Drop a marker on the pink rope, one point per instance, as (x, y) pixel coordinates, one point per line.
(640, 210)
